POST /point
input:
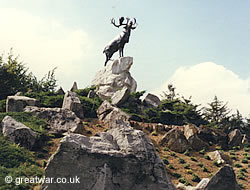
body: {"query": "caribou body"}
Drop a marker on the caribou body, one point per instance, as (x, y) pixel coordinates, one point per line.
(119, 42)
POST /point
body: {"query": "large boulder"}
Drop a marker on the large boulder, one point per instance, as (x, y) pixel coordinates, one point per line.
(18, 133)
(191, 134)
(73, 103)
(224, 179)
(114, 77)
(109, 113)
(61, 121)
(120, 96)
(220, 157)
(175, 140)
(18, 103)
(215, 136)
(235, 138)
(152, 100)
(120, 159)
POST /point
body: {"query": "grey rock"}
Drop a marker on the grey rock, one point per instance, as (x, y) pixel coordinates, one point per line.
(60, 91)
(152, 100)
(109, 113)
(73, 103)
(224, 179)
(191, 134)
(235, 138)
(18, 103)
(61, 121)
(219, 157)
(120, 159)
(18, 133)
(74, 87)
(244, 139)
(120, 96)
(175, 140)
(114, 77)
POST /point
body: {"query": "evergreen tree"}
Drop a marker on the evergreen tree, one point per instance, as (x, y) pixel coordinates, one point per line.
(217, 113)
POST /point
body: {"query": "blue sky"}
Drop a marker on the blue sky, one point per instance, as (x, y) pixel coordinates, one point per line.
(173, 38)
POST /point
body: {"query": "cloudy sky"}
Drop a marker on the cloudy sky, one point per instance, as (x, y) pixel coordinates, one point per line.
(201, 47)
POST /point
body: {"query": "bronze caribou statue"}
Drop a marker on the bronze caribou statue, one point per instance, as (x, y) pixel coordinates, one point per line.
(119, 42)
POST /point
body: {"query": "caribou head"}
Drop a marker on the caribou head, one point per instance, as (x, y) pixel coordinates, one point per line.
(119, 42)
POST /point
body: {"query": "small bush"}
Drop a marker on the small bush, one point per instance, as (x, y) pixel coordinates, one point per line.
(204, 169)
(154, 133)
(187, 153)
(187, 166)
(84, 92)
(202, 151)
(166, 149)
(200, 164)
(172, 154)
(90, 106)
(216, 163)
(182, 161)
(176, 175)
(246, 149)
(237, 165)
(189, 171)
(236, 147)
(218, 148)
(165, 160)
(244, 161)
(243, 170)
(232, 152)
(233, 157)
(196, 178)
(241, 176)
(193, 159)
(207, 157)
(183, 180)
(170, 166)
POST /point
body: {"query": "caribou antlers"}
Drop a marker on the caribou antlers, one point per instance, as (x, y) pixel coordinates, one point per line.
(129, 23)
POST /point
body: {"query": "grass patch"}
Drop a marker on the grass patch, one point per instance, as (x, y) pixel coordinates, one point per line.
(16, 161)
(237, 165)
(182, 161)
(193, 159)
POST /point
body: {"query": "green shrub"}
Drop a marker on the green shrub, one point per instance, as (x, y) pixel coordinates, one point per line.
(216, 163)
(241, 176)
(204, 169)
(189, 171)
(154, 133)
(187, 166)
(90, 106)
(207, 157)
(182, 180)
(236, 147)
(172, 154)
(202, 151)
(165, 160)
(243, 170)
(84, 92)
(170, 166)
(3, 105)
(237, 165)
(244, 161)
(193, 159)
(195, 178)
(16, 162)
(166, 149)
(182, 161)
(233, 157)
(187, 153)
(232, 152)
(247, 149)
(47, 99)
(200, 164)
(176, 175)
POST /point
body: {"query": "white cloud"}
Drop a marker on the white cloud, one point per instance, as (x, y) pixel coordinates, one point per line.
(205, 80)
(44, 44)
